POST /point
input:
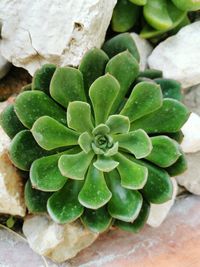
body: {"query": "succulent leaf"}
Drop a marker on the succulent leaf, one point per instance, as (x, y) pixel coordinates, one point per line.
(187, 5)
(133, 175)
(10, 122)
(170, 88)
(79, 117)
(92, 66)
(138, 223)
(103, 93)
(165, 151)
(121, 43)
(67, 85)
(118, 124)
(36, 201)
(178, 167)
(125, 68)
(24, 150)
(95, 193)
(151, 74)
(37, 104)
(42, 78)
(139, 2)
(51, 134)
(137, 142)
(124, 204)
(105, 164)
(63, 206)
(75, 166)
(170, 117)
(145, 98)
(85, 141)
(96, 221)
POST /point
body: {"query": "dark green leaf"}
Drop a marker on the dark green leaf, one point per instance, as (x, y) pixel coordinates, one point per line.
(151, 73)
(170, 88)
(178, 167)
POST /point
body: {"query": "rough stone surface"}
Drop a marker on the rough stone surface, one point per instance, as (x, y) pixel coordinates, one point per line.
(192, 99)
(60, 32)
(58, 242)
(11, 188)
(144, 48)
(178, 56)
(191, 132)
(158, 213)
(4, 66)
(191, 178)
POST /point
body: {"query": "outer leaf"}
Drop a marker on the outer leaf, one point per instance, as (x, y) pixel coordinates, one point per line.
(124, 16)
(45, 174)
(133, 175)
(170, 88)
(92, 66)
(125, 204)
(151, 73)
(105, 164)
(24, 150)
(95, 193)
(31, 105)
(178, 167)
(96, 221)
(125, 68)
(136, 142)
(145, 98)
(36, 201)
(169, 118)
(79, 117)
(156, 14)
(165, 151)
(139, 2)
(63, 206)
(75, 166)
(10, 122)
(118, 124)
(51, 134)
(103, 93)
(67, 85)
(138, 223)
(42, 78)
(187, 5)
(120, 43)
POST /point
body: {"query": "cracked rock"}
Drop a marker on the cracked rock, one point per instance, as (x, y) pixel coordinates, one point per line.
(58, 242)
(59, 32)
(158, 212)
(178, 56)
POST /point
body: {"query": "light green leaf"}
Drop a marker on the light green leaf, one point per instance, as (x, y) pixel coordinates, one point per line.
(51, 134)
(139, 2)
(79, 117)
(85, 142)
(170, 117)
(136, 142)
(125, 68)
(92, 66)
(67, 85)
(96, 221)
(187, 5)
(165, 151)
(75, 166)
(95, 193)
(103, 93)
(31, 105)
(101, 129)
(105, 164)
(113, 150)
(63, 206)
(133, 175)
(145, 98)
(118, 124)
(140, 221)
(125, 204)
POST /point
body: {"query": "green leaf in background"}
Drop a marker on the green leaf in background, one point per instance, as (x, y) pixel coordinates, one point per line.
(170, 88)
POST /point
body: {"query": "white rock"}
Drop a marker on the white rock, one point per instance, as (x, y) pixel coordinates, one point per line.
(191, 131)
(144, 49)
(59, 31)
(158, 212)
(4, 66)
(178, 56)
(58, 242)
(11, 188)
(190, 179)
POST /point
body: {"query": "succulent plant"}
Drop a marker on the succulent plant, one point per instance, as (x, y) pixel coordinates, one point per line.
(159, 16)
(98, 142)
